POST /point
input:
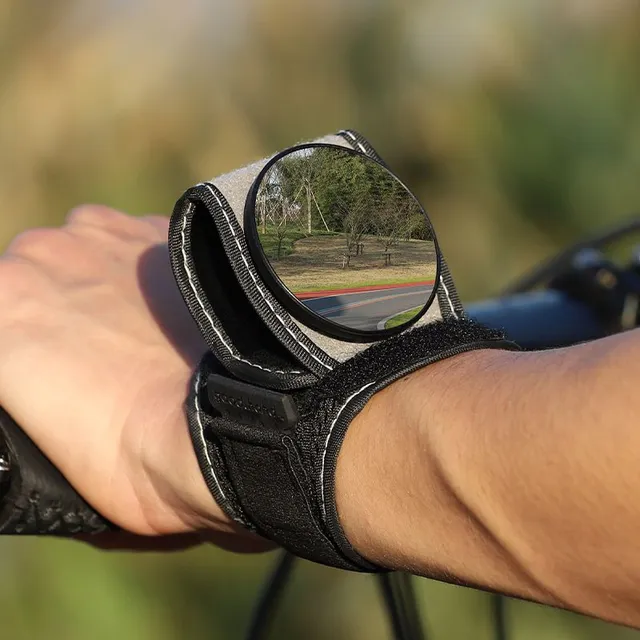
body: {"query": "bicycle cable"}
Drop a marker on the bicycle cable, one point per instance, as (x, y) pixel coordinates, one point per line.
(499, 610)
(551, 267)
(403, 597)
(270, 598)
(397, 591)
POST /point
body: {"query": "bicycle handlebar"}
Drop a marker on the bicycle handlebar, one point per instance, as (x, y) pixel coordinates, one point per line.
(540, 319)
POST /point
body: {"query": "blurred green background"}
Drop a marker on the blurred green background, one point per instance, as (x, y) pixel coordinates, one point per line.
(516, 123)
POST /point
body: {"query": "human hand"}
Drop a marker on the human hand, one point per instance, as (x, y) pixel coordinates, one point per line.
(96, 353)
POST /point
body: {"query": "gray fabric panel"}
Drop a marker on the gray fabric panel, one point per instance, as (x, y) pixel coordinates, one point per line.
(235, 185)
(342, 351)
(431, 316)
(337, 349)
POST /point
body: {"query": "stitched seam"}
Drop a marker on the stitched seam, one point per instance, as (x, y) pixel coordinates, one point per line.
(255, 281)
(362, 148)
(453, 309)
(292, 454)
(358, 143)
(206, 313)
(326, 444)
(198, 387)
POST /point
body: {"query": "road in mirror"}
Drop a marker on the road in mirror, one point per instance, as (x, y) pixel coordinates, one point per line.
(346, 238)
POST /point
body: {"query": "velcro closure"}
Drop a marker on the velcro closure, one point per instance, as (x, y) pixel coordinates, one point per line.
(279, 479)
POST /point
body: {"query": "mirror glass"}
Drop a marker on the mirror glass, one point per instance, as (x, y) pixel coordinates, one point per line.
(346, 238)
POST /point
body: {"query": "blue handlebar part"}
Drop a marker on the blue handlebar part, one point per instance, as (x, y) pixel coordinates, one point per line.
(540, 319)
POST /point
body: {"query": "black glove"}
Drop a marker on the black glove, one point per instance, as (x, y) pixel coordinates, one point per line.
(272, 402)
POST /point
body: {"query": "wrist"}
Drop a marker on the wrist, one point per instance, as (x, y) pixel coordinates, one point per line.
(181, 483)
(391, 439)
(398, 501)
(171, 490)
(171, 486)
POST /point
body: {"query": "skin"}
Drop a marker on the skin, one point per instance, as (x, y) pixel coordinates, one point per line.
(511, 471)
(516, 472)
(93, 305)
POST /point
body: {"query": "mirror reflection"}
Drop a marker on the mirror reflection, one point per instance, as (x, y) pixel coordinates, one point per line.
(346, 238)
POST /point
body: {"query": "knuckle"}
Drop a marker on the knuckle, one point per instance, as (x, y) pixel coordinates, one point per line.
(36, 242)
(104, 222)
(93, 214)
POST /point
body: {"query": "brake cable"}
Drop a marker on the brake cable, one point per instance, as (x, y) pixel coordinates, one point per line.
(397, 591)
(399, 596)
(270, 598)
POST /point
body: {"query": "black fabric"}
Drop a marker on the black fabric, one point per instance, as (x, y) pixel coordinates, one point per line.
(231, 327)
(448, 299)
(281, 484)
(360, 143)
(39, 500)
(264, 304)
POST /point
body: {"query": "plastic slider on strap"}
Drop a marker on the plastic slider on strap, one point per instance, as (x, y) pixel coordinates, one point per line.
(251, 405)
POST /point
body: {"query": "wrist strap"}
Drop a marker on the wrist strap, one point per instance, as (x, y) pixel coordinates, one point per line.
(277, 478)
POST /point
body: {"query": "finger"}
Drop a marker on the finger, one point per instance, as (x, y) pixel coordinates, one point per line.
(114, 223)
(42, 244)
(96, 215)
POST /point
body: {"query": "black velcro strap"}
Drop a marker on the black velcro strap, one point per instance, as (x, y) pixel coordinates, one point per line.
(277, 476)
(275, 496)
(255, 472)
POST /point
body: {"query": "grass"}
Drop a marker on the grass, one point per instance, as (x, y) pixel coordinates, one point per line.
(401, 318)
(269, 242)
(347, 282)
(314, 263)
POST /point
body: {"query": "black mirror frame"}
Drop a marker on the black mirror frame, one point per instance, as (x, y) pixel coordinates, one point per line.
(286, 298)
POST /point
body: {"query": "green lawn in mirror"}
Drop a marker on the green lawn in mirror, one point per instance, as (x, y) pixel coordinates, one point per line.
(401, 318)
(315, 262)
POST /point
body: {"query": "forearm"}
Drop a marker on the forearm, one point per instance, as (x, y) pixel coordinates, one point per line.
(513, 471)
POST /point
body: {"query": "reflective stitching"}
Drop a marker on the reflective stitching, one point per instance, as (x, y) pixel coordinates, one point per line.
(453, 309)
(326, 444)
(255, 281)
(364, 150)
(201, 434)
(358, 143)
(206, 313)
(348, 400)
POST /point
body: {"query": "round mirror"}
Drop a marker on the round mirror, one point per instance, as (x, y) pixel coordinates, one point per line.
(342, 241)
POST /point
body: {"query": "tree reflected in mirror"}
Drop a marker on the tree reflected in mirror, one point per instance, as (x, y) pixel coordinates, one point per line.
(346, 237)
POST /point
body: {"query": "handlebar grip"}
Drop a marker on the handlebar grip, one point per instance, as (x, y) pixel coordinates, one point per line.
(36, 498)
